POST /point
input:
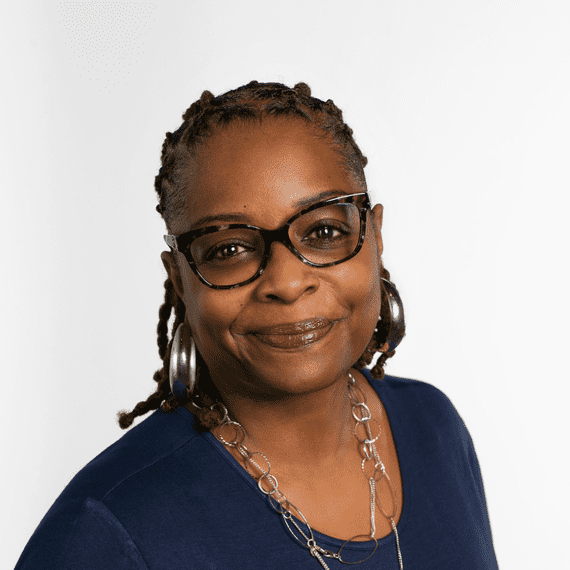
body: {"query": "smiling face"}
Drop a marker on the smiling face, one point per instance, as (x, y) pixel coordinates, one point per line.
(266, 173)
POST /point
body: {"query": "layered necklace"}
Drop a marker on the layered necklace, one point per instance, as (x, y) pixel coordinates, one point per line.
(232, 434)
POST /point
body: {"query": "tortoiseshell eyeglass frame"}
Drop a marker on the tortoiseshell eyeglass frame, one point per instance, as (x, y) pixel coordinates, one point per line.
(183, 242)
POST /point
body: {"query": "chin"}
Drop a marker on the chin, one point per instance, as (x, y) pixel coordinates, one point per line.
(301, 369)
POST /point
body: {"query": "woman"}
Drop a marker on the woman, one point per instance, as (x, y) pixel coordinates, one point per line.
(273, 446)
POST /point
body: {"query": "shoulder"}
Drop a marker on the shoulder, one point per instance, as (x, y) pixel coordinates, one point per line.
(154, 445)
(418, 392)
(153, 441)
(422, 413)
(421, 404)
(82, 534)
(122, 476)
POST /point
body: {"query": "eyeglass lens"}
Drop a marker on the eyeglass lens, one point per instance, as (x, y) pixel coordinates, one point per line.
(325, 235)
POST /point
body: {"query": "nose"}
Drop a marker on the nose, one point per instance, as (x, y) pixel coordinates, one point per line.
(286, 278)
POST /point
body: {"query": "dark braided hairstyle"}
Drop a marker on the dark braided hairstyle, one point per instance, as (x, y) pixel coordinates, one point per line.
(251, 102)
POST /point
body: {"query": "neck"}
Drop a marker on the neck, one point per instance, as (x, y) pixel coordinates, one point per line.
(302, 431)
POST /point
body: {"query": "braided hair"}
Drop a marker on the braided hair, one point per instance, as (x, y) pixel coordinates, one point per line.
(251, 102)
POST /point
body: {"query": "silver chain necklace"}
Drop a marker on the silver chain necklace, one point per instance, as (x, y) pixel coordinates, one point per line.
(372, 467)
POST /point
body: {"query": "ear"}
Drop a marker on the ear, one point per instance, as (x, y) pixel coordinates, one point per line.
(376, 215)
(172, 266)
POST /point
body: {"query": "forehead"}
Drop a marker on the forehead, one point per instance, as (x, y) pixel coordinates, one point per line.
(261, 170)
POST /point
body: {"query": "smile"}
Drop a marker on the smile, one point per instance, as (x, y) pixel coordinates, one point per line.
(297, 335)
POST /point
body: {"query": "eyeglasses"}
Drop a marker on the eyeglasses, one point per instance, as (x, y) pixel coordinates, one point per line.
(231, 255)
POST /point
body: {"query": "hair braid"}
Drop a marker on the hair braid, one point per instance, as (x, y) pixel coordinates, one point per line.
(161, 376)
(251, 102)
(379, 337)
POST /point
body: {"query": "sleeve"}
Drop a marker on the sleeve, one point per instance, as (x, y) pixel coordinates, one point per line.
(87, 536)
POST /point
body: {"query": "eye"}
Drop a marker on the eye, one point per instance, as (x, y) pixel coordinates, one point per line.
(326, 231)
(227, 252)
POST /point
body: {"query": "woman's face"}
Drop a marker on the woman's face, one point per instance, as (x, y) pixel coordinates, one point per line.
(263, 173)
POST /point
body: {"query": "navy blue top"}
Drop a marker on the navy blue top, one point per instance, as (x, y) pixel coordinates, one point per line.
(165, 496)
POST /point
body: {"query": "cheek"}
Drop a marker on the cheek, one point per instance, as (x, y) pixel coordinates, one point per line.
(210, 314)
(359, 282)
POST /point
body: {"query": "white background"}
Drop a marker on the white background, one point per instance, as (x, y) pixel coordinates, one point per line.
(461, 107)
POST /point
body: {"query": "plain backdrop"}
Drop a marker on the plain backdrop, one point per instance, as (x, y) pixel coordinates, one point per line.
(461, 107)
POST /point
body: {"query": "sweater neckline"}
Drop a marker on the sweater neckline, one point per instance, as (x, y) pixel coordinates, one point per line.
(336, 543)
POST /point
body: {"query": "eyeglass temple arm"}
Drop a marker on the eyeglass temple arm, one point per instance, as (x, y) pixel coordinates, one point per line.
(171, 242)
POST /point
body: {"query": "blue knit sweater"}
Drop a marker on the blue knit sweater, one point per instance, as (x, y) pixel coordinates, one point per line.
(165, 496)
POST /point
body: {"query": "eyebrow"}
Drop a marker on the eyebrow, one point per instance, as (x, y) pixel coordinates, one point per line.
(237, 217)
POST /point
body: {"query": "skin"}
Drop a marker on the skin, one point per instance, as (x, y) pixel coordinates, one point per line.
(292, 403)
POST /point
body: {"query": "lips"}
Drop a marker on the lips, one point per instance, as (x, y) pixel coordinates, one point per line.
(294, 328)
(294, 335)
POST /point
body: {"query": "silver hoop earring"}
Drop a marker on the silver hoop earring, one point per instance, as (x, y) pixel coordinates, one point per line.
(183, 362)
(398, 324)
